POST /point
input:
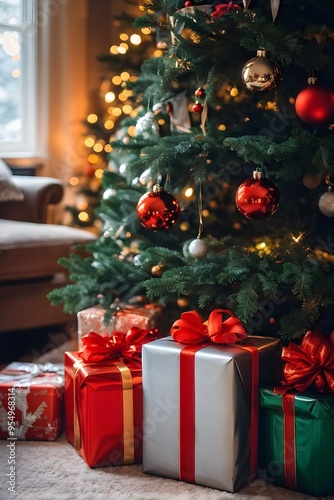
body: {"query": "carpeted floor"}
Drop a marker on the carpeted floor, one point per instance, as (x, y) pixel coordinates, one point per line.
(54, 471)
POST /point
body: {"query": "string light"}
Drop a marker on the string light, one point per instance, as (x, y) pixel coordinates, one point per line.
(297, 239)
(135, 39)
(92, 118)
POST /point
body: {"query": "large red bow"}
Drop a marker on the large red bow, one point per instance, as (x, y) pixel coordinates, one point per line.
(222, 327)
(120, 345)
(311, 362)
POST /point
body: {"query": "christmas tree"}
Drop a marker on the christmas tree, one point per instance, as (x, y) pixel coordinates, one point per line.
(219, 194)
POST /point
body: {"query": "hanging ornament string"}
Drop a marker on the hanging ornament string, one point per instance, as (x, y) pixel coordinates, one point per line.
(199, 248)
(200, 210)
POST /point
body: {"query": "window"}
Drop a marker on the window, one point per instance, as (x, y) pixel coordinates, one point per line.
(18, 45)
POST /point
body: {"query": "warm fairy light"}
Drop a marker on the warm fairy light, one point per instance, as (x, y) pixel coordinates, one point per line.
(108, 148)
(116, 80)
(247, 119)
(98, 147)
(135, 39)
(259, 105)
(261, 246)
(122, 97)
(297, 239)
(222, 127)
(92, 118)
(99, 173)
(83, 216)
(82, 205)
(161, 122)
(113, 49)
(109, 124)
(133, 78)
(158, 53)
(292, 100)
(121, 50)
(109, 97)
(127, 109)
(16, 73)
(74, 181)
(128, 92)
(116, 112)
(93, 158)
(134, 113)
(124, 37)
(237, 226)
(132, 130)
(271, 105)
(124, 46)
(146, 31)
(141, 7)
(184, 226)
(205, 212)
(125, 76)
(128, 234)
(89, 142)
(234, 92)
(188, 192)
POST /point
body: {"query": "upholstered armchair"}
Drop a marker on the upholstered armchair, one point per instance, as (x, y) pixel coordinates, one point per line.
(29, 250)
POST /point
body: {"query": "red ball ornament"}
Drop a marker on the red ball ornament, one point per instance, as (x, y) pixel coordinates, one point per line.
(197, 107)
(199, 92)
(315, 104)
(188, 3)
(257, 198)
(158, 209)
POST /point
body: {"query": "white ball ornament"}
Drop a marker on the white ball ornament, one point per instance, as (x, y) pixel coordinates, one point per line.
(146, 125)
(198, 248)
(326, 204)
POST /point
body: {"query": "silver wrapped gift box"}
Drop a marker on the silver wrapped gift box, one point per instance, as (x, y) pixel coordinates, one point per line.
(224, 442)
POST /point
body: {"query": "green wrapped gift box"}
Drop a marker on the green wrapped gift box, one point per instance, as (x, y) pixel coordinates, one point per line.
(297, 444)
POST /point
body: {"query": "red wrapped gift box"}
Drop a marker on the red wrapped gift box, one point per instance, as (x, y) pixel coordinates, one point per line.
(95, 411)
(31, 401)
(103, 397)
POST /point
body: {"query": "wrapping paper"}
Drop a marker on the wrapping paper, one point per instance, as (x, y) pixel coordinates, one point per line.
(31, 401)
(298, 441)
(92, 319)
(103, 405)
(222, 383)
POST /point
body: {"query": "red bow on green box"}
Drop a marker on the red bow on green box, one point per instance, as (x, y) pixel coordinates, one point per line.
(222, 327)
(310, 363)
(119, 345)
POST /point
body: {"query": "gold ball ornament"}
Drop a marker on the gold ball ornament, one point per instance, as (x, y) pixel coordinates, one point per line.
(326, 204)
(182, 302)
(261, 74)
(157, 270)
(198, 248)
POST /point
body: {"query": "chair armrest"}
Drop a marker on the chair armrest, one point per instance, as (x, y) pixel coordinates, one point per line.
(39, 193)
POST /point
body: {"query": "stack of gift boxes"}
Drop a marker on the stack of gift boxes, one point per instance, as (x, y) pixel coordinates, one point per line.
(206, 404)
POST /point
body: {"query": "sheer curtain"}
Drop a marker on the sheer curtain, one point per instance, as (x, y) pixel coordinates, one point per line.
(62, 88)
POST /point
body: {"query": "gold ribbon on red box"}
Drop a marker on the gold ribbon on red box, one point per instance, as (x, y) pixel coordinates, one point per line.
(119, 349)
(222, 327)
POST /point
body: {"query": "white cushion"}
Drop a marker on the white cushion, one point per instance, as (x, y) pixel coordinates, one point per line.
(8, 190)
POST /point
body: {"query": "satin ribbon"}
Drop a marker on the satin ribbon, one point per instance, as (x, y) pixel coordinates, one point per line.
(26, 373)
(128, 413)
(222, 327)
(97, 348)
(274, 4)
(310, 363)
(187, 410)
(223, 8)
(289, 452)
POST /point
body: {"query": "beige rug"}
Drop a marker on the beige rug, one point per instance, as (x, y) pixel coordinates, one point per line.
(54, 471)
